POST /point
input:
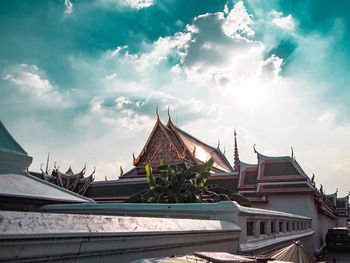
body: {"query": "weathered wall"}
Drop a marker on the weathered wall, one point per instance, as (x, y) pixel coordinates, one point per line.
(303, 204)
(93, 238)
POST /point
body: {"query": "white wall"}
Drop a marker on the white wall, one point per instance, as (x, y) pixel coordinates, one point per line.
(302, 204)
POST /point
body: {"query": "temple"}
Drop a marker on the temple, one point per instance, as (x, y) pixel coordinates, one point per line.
(73, 182)
(178, 148)
(271, 183)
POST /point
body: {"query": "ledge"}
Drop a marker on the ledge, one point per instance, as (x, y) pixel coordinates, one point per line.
(265, 243)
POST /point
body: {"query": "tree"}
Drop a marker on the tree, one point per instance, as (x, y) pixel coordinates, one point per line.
(176, 184)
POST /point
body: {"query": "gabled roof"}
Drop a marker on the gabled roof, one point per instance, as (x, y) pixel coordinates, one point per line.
(7, 142)
(200, 151)
(187, 147)
(293, 161)
(175, 146)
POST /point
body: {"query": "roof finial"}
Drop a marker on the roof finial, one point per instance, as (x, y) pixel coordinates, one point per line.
(218, 147)
(292, 154)
(336, 192)
(224, 150)
(236, 155)
(255, 148)
(169, 112)
(157, 112)
(47, 163)
(121, 171)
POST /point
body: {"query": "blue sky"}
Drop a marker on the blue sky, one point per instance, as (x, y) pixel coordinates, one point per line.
(81, 79)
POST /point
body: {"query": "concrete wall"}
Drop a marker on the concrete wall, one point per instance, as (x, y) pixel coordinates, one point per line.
(223, 211)
(31, 237)
(303, 204)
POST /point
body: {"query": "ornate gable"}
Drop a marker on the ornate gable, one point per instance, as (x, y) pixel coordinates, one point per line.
(160, 144)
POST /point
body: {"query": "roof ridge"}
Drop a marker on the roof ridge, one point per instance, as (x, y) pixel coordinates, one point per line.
(8, 142)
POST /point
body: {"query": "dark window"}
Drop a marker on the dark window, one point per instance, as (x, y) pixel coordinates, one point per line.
(272, 227)
(262, 228)
(250, 177)
(287, 226)
(280, 226)
(341, 203)
(287, 186)
(250, 226)
(280, 169)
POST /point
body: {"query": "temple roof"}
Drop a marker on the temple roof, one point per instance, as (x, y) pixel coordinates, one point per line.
(7, 142)
(15, 181)
(200, 151)
(29, 187)
(187, 147)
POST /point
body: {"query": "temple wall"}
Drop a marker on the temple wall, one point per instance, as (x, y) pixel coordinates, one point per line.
(50, 237)
(257, 242)
(302, 204)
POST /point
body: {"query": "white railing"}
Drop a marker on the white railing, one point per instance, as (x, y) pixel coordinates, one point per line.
(261, 230)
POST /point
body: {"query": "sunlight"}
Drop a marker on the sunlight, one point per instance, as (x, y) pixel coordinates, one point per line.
(252, 94)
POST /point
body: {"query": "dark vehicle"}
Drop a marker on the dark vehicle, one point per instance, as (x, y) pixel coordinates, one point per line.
(338, 238)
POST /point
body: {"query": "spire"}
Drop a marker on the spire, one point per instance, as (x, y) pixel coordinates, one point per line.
(169, 112)
(157, 112)
(236, 160)
(47, 163)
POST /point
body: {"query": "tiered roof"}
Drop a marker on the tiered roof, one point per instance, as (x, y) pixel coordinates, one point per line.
(177, 146)
(17, 185)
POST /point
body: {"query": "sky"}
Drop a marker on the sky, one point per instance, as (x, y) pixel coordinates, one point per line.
(82, 79)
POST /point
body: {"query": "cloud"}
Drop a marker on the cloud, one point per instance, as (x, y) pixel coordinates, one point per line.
(112, 76)
(69, 7)
(238, 21)
(270, 68)
(286, 23)
(139, 4)
(223, 70)
(135, 4)
(32, 81)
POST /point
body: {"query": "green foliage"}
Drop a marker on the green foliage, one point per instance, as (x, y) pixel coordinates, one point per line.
(176, 184)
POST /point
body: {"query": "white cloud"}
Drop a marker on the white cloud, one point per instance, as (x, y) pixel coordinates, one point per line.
(139, 4)
(270, 68)
(286, 23)
(112, 76)
(136, 4)
(238, 21)
(31, 81)
(69, 7)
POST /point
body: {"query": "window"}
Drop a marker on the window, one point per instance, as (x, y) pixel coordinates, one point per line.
(250, 177)
(280, 226)
(250, 226)
(287, 226)
(272, 227)
(262, 228)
